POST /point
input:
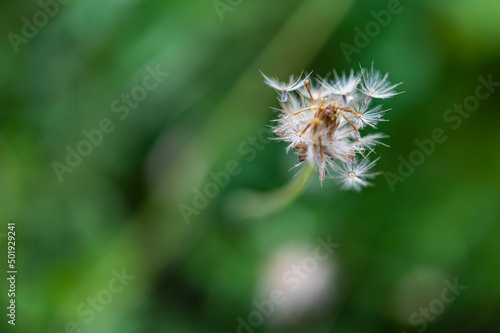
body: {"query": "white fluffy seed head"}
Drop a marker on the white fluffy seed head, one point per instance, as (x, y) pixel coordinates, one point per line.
(323, 119)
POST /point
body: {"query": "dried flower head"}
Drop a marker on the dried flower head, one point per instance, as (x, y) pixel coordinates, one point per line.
(323, 122)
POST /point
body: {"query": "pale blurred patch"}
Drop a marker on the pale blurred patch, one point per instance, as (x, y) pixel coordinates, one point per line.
(309, 285)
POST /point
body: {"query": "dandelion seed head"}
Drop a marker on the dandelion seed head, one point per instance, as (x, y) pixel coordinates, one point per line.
(322, 121)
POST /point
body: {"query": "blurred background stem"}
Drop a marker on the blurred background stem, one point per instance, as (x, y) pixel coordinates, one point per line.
(251, 204)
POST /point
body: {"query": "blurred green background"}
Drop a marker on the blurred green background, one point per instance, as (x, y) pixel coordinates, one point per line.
(120, 208)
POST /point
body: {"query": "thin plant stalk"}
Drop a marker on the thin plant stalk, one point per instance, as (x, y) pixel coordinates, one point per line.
(251, 204)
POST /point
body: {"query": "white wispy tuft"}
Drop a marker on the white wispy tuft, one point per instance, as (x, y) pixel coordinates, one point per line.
(344, 85)
(292, 84)
(353, 176)
(377, 86)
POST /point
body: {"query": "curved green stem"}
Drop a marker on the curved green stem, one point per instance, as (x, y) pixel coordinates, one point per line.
(250, 204)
